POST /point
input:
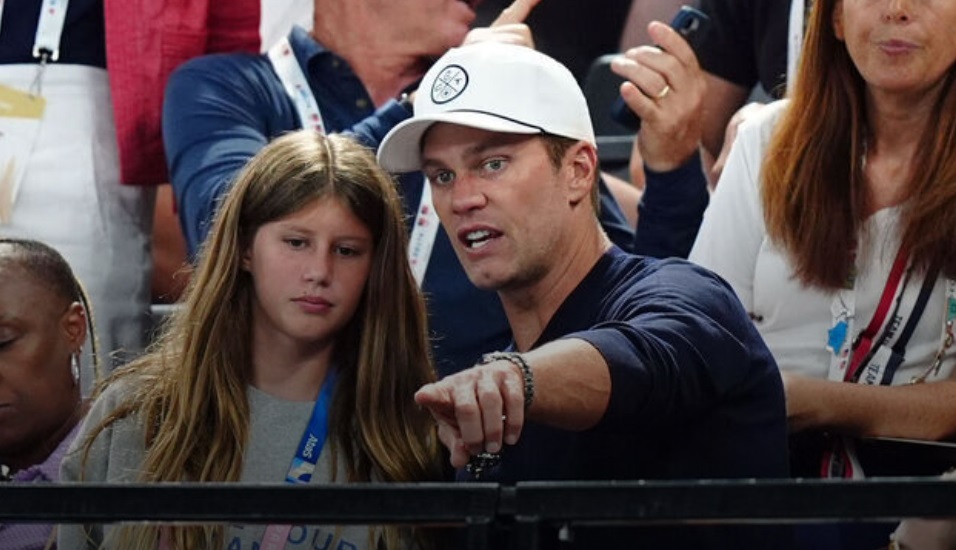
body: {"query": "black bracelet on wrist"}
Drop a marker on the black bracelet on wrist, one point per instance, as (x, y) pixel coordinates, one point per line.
(517, 360)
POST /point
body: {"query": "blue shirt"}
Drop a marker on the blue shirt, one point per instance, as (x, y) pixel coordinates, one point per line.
(84, 36)
(695, 393)
(220, 110)
(671, 211)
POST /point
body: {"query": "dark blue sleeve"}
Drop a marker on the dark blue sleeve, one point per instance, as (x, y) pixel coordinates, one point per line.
(219, 111)
(216, 116)
(671, 211)
(371, 131)
(680, 344)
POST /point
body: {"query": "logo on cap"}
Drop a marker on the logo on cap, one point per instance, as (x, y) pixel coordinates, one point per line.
(450, 83)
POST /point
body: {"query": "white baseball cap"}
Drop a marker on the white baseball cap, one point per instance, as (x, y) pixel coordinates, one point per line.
(491, 86)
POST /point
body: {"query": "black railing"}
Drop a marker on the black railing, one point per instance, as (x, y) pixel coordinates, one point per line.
(482, 507)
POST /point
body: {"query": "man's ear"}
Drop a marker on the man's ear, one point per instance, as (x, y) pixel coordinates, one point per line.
(74, 325)
(583, 161)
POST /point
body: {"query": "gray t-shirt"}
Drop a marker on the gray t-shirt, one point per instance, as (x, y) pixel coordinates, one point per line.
(274, 434)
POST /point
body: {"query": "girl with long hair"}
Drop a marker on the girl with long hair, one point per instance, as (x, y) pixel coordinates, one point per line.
(302, 306)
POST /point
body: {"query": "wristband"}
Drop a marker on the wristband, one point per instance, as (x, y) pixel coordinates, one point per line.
(517, 360)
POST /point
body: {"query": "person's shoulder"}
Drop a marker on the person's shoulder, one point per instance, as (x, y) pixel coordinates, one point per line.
(673, 278)
(221, 67)
(240, 82)
(115, 393)
(219, 62)
(760, 123)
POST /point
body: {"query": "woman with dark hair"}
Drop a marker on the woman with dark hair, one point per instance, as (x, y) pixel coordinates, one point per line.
(301, 319)
(44, 322)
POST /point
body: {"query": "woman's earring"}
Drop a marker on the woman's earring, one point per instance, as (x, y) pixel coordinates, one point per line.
(75, 367)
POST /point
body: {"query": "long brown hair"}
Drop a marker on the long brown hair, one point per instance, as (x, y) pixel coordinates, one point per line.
(190, 389)
(814, 190)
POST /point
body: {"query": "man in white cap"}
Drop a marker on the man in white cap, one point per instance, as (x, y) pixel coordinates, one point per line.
(621, 367)
(346, 75)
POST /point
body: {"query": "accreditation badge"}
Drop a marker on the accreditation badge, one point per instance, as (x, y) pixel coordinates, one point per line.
(20, 116)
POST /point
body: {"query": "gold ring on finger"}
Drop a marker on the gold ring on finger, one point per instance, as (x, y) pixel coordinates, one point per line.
(663, 93)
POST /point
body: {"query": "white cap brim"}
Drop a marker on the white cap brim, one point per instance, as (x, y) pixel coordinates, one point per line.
(401, 150)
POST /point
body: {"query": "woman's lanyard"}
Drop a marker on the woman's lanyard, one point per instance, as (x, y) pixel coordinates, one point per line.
(863, 345)
(875, 360)
(847, 355)
(306, 457)
(425, 226)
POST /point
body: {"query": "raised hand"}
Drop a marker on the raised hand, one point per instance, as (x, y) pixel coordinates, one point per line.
(509, 27)
(666, 88)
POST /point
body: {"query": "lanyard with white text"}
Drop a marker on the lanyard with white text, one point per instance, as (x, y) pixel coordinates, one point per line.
(425, 229)
(862, 344)
(842, 348)
(306, 457)
(425, 226)
(840, 459)
(794, 39)
(876, 362)
(46, 45)
(296, 86)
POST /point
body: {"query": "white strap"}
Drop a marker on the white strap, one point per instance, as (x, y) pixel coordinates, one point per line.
(842, 309)
(50, 29)
(794, 38)
(296, 86)
(841, 334)
(424, 231)
(425, 228)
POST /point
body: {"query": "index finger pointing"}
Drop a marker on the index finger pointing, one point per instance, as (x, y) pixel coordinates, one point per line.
(517, 12)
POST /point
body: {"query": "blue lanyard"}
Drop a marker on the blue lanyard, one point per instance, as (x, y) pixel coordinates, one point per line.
(313, 440)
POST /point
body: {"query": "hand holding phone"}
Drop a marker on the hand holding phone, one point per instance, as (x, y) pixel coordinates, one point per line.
(688, 22)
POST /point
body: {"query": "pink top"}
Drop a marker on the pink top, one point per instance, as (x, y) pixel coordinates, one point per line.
(145, 41)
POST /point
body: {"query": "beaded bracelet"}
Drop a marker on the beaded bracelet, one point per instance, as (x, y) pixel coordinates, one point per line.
(517, 360)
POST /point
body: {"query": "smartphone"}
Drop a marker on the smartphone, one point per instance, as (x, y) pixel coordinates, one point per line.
(689, 22)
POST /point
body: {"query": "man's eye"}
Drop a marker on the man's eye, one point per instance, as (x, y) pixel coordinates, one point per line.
(443, 177)
(494, 165)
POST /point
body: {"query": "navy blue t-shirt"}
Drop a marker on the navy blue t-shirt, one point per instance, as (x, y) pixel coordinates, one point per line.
(695, 395)
(84, 36)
